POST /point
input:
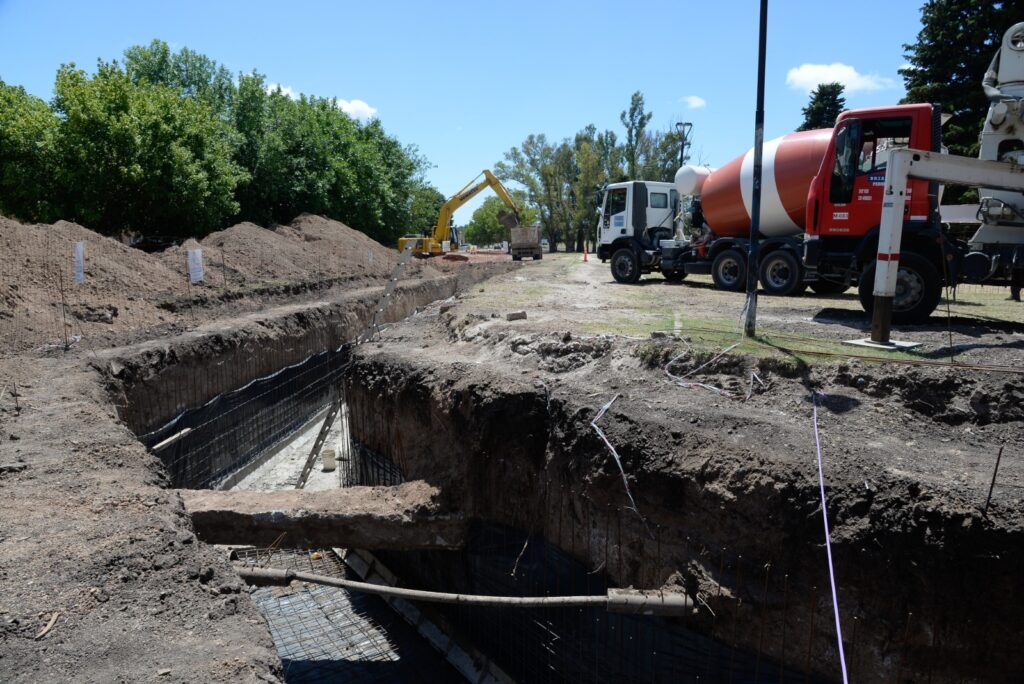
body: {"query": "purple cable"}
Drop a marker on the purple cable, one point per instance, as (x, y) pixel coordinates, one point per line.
(828, 542)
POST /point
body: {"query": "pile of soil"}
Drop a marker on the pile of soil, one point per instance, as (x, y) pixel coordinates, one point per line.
(128, 290)
(122, 285)
(309, 249)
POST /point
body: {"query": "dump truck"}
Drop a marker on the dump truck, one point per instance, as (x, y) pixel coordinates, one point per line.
(525, 242)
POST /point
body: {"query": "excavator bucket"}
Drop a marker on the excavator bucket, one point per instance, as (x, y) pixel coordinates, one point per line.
(508, 219)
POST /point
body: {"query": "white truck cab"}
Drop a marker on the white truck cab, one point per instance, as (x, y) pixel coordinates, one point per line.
(637, 219)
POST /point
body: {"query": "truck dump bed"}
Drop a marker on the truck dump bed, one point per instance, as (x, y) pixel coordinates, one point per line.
(526, 242)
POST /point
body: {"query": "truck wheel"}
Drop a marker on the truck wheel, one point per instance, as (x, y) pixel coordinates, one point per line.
(918, 289)
(516, 257)
(780, 274)
(538, 256)
(829, 287)
(674, 276)
(625, 266)
(729, 270)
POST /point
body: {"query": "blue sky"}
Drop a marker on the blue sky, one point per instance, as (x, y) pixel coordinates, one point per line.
(465, 81)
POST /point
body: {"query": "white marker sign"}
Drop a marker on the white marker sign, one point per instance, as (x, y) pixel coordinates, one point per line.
(195, 265)
(79, 262)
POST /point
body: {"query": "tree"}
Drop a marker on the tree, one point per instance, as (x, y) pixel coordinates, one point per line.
(169, 144)
(425, 208)
(635, 121)
(825, 106)
(661, 156)
(307, 155)
(586, 187)
(190, 73)
(954, 47)
(140, 157)
(530, 165)
(485, 228)
(28, 131)
(610, 155)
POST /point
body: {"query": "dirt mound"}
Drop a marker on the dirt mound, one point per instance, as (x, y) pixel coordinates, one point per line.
(309, 249)
(126, 289)
(40, 300)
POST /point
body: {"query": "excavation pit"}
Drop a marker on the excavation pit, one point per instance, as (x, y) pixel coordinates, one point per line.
(257, 438)
(726, 507)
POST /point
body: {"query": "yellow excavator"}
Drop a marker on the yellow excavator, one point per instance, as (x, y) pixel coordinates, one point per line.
(444, 235)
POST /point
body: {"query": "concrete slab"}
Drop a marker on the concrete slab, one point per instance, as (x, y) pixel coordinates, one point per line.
(893, 345)
(407, 516)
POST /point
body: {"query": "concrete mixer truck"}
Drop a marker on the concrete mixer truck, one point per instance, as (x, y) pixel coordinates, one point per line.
(819, 182)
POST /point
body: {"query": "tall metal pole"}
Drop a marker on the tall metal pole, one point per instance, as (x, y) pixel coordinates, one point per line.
(683, 129)
(750, 321)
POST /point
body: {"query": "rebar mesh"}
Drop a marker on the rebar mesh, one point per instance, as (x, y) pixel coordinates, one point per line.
(237, 427)
(327, 634)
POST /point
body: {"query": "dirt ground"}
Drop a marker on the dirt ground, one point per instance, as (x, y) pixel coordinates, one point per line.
(723, 454)
(580, 323)
(103, 577)
(91, 534)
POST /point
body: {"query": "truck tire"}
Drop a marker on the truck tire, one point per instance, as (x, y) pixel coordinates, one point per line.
(538, 256)
(781, 274)
(674, 276)
(729, 270)
(516, 257)
(918, 289)
(625, 266)
(829, 287)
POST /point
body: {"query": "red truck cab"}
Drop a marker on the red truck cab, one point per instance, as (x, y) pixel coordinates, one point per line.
(844, 203)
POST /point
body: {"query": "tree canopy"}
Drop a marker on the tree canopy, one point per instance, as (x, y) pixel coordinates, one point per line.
(825, 106)
(947, 63)
(170, 143)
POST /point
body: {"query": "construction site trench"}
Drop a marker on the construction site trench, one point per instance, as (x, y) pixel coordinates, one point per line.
(705, 510)
(503, 457)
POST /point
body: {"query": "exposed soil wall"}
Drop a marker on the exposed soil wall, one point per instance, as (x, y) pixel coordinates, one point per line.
(927, 584)
(156, 380)
(103, 577)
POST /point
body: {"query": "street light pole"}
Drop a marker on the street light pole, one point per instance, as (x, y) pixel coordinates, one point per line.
(683, 129)
(750, 320)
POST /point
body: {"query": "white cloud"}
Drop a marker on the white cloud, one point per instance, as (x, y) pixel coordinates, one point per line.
(357, 109)
(695, 102)
(807, 77)
(285, 90)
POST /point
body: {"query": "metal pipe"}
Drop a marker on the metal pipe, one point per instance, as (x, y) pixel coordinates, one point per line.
(616, 600)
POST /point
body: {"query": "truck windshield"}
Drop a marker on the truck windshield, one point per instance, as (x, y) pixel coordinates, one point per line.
(880, 136)
(616, 201)
(845, 167)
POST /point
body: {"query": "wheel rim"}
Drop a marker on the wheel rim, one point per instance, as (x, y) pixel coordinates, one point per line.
(729, 271)
(909, 290)
(624, 267)
(778, 274)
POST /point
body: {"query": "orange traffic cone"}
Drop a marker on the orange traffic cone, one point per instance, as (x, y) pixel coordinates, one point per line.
(584, 251)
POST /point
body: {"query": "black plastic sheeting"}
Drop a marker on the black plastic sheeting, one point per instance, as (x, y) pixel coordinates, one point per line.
(235, 428)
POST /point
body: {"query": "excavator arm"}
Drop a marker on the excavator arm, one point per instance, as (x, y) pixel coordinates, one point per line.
(443, 230)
